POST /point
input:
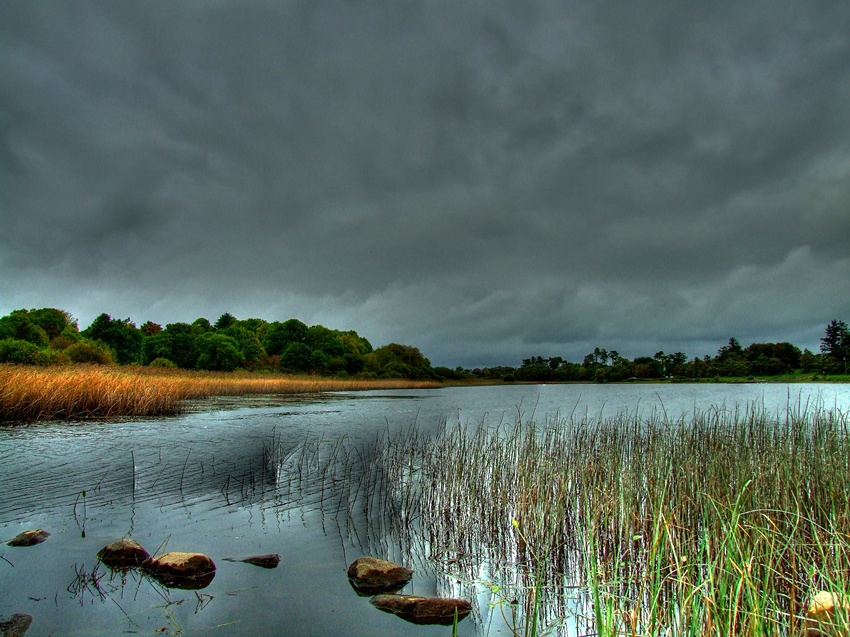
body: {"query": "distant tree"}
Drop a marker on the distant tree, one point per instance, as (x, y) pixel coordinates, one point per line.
(52, 320)
(224, 321)
(300, 358)
(248, 343)
(731, 349)
(150, 328)
(836, 342)
(20, 326)
(177, 343)
(201, 325)
(217, 352)
(399, 361)
(279, 336)
(120, 335)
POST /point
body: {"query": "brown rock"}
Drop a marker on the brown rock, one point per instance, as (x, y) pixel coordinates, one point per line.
(16, 626)
(423, 610)
(125, 553)
(29, 538)
(265, 561)
(370, 576)
(182, 570)
(828, 615)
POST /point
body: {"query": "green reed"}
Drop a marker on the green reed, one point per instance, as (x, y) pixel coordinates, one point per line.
(723, 523)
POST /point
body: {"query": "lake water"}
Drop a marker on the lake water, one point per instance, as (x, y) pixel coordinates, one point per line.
(212, 481)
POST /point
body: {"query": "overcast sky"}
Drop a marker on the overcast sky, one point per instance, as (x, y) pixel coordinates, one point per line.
(484, 180)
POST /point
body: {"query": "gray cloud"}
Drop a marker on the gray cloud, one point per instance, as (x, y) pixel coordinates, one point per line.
(484, 180)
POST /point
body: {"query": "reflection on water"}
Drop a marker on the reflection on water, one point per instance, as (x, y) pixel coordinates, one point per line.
(296, 477)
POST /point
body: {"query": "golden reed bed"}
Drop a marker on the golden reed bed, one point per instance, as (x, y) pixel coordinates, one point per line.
(29, 394)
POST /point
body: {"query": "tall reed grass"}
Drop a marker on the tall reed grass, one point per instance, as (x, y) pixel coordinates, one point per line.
(721, 524)
(30, 393)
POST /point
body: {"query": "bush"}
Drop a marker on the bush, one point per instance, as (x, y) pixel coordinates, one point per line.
(13, 350)
(90, 352)
(162, 362)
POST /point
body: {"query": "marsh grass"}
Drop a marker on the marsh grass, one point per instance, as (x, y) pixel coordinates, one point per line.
(29, 393)
(721, 524)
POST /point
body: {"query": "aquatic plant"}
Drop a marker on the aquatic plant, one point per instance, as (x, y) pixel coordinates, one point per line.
(724, 523)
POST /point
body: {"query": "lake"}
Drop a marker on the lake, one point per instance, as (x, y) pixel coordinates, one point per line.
(233, 478)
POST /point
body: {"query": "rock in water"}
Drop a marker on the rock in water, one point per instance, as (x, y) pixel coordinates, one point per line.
(423, 610)
(16, 626)
(265, 561)
(828, 615)
(29, 538)
(182, 570)
(370, 576)
(125, 553)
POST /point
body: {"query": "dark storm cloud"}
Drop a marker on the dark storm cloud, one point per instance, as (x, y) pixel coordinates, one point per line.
(484, 180)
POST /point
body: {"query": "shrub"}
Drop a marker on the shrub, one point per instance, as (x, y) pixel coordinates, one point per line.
(90, 352)
(162, 362)
(22, 352)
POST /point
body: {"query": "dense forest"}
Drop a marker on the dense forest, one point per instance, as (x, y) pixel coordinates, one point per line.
(50, 336)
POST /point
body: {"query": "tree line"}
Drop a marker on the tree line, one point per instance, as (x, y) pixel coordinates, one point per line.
(50, 336)
(731, 361)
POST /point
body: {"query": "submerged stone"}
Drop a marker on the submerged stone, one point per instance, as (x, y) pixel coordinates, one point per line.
(370, 576)
(265, 561)
(29, 538)
(182, 570)
(16, 626)
(423, 610)
(828, 615)
(125, 553)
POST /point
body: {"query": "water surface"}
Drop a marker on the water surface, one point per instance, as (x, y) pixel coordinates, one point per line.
(211, 481)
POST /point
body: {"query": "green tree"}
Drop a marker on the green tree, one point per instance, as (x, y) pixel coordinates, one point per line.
(836, 343)
(52, 320)
(177, 343)
(248, 343)
(20, 326)
(224, 321)
(120, 335)
(399, 361)
(150, 328)
(280, 336)
(217, 352)
(300, 358)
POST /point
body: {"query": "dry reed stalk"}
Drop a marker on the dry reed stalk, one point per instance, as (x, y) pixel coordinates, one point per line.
(29, 394)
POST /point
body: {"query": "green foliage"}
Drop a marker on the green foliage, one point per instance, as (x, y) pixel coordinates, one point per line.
(217, 352)
(20, 352)
(279, 336)
(399, 361)
(120, 335)
(86, 351)
(20, 326)
(836, 345)
(150, 328)
(224, 321)
(53, 321)
(247, 342)
(162, 362)
(300, 358)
